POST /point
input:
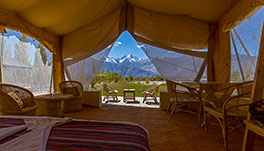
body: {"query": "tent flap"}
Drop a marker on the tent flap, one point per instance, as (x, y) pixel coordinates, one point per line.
(170, 30)
(14, 22)
(92, 36)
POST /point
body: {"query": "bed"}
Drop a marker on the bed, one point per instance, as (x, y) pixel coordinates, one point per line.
(84, 135)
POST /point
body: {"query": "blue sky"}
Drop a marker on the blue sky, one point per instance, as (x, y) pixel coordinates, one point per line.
(125, 45)
(247, 29)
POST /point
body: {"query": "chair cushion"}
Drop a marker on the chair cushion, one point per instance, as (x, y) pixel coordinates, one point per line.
(71, 90)
(15, 95)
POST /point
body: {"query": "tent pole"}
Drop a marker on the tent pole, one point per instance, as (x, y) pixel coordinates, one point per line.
(58, 71)
(246, 50)
(51, 80)
(1, 53)
(219, 55)
(201, 71)
(238, 60)
(194, 64)
(257, 94)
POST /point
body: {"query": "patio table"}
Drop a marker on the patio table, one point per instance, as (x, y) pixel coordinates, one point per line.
(129, 91)
(53, 103)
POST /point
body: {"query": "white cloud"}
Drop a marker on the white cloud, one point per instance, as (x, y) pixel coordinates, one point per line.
(140, 46)
(117, 43)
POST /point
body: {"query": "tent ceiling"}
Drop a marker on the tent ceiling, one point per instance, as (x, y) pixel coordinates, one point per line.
(60, 16)
(79, 28)
(207, 10)
(64, 16)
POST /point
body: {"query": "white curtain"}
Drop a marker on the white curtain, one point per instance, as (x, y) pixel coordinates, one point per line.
(172, 65)
(85, 70)
(22, 65)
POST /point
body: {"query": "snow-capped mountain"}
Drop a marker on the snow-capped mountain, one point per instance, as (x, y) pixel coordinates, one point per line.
(129, 65)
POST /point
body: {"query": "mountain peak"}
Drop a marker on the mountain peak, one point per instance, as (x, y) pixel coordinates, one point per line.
(127, 56)
(130, 56)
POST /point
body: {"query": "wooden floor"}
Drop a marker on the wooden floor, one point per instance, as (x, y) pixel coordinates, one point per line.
(183, 133)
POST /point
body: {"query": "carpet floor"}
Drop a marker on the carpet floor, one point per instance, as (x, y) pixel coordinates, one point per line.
(183, 133)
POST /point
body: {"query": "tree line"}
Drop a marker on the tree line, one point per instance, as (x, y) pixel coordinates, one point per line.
(106, 76)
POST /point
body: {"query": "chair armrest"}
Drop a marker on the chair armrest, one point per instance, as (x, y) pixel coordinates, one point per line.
(183, 85)
(234, 98)
(27, 109)
(193, 92)
(236, 85)
(148, 90)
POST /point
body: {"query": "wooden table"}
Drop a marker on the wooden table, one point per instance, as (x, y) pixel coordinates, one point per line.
(53, 103)
(129, 91)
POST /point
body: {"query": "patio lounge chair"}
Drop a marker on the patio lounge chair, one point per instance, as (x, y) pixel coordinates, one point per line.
(15, 100)
(227, 105)
(76, 89)
(109, 92)
(182, 95)
(151, 92)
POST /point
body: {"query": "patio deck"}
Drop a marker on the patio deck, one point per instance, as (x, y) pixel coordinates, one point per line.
(138, 103)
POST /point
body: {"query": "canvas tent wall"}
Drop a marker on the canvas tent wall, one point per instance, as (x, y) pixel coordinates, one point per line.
(80, 28)
(77, 30)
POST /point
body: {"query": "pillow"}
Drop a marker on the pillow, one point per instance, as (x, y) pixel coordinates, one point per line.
(71, 90)
(15, 95)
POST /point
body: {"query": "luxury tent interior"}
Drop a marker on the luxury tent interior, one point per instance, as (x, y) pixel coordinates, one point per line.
(76, 31)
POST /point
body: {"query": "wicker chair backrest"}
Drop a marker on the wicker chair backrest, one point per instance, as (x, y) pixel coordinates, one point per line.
(8, 104)
(71, 84)
(25, 94)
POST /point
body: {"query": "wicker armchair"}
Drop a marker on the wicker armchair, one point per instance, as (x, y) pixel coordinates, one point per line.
(76, 89)
(183, 95)
(229, 106)
(109, 92)
(10, 107)
(151, 92)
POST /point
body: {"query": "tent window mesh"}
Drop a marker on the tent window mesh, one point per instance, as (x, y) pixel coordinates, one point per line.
(172, 65)
(22, 63)
(85, 70)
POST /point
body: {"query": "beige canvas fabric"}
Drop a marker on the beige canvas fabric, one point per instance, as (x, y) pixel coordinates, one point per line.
(84, 27)
(170, 30)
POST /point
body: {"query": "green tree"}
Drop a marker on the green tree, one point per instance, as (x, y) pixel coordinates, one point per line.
(102, 69)
(159, 78)
(248, 73)
(147, 80)
(130, 78)
(23, 38)
(151, 78)
(43, 54)
(116, 77)
(95, 80)
(235, 75)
